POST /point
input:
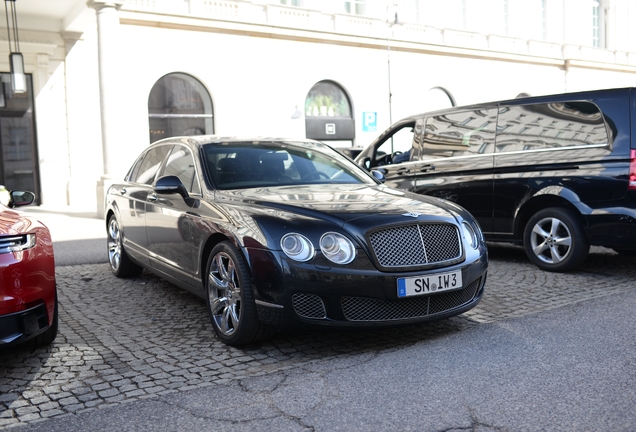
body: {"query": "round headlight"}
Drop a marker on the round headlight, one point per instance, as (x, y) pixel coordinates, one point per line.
(337, 248)
(297, 247)
(471, 235)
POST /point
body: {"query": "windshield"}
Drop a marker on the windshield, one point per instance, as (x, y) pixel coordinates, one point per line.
(241, 165)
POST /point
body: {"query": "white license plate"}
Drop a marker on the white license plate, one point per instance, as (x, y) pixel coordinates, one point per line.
(431, 284)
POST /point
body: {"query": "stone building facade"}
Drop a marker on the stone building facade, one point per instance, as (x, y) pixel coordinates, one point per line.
(108, 77)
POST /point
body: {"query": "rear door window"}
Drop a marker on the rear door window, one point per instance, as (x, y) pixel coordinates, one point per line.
(550, 126)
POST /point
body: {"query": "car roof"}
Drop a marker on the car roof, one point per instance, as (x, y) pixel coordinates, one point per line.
(582, 95)
(199, 140)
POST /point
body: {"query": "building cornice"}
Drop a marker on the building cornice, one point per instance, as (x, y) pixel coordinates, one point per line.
(555, 58)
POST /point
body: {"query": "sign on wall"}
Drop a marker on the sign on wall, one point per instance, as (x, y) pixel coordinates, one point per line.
(369, 121)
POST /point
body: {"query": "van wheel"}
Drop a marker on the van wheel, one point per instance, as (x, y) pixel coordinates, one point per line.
(554, 240)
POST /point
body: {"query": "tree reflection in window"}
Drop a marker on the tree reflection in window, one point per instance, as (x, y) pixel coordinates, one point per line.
(327, 99)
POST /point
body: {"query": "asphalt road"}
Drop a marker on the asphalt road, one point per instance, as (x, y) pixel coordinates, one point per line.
(569, 369)
(78, 236)
(542, 351)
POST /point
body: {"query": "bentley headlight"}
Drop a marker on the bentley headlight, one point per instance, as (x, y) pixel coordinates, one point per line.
(471, 235)
(337, 248)
(297, 247)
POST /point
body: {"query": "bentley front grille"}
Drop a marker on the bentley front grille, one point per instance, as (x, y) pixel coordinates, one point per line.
(367, 309)
(309, 306)
(413, 245)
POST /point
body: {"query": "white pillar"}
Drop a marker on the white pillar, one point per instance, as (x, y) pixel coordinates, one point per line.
(107, 53)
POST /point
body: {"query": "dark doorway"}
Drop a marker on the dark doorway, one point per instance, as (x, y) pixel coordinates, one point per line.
(19, 157)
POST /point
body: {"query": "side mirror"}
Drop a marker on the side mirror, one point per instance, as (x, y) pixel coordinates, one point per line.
(170, 185)
(20, 198)
(378, 176)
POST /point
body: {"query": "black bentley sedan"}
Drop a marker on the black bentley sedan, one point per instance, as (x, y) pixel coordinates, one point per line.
(277, 233)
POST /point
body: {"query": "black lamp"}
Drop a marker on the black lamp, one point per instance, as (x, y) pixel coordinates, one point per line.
(16, 61)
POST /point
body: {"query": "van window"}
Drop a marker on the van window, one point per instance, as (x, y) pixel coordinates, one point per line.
(463, 133)
(396, 148)
(550, 125)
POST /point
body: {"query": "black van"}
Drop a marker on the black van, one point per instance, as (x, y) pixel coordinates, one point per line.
(553, 173)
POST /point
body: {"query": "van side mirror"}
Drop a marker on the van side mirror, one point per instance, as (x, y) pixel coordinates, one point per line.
(366, 162)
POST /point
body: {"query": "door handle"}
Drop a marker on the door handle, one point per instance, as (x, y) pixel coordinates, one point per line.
(403, 171)
(152, 197)
(427, 168)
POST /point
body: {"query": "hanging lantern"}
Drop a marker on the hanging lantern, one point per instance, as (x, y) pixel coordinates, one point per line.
(16, 61)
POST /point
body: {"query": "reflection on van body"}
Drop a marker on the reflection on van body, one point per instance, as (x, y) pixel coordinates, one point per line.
(519, 164)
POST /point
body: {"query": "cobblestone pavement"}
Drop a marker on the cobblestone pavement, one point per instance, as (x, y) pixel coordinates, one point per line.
(125, 340)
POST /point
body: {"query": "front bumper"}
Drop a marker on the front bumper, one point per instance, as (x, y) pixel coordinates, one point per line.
(290, 294)
(21, 326)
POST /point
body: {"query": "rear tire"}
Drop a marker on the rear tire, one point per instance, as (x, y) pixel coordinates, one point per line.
(554, 240)
(120, 264)
(230, 299)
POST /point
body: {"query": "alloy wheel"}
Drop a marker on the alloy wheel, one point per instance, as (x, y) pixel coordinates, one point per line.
(224, 294)
(551, 240)
(114, 244)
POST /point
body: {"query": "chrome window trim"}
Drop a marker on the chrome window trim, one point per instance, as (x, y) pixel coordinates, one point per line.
(553, 149)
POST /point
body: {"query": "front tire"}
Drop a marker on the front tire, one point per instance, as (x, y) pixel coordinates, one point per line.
(554, 240)
(120, 264)
(230, 299)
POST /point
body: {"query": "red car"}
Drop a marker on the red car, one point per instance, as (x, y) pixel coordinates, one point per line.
(28, 293)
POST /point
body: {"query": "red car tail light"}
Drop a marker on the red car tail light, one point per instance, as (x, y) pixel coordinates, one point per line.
(632, 171)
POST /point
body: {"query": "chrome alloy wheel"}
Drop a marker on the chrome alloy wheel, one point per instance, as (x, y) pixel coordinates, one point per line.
(224, 294)
(114, 244)
(551, 240)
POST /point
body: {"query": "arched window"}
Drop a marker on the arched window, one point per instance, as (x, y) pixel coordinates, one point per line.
(438, 98)
(179, 105)
(328, 113)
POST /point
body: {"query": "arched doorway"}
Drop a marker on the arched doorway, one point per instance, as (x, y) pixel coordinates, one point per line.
(328, 114)
(179, 105)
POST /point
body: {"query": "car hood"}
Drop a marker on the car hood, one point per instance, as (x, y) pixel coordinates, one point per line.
(345, 203)
(13, 222)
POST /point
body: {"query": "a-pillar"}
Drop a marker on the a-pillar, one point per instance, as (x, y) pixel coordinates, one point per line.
(107, 52)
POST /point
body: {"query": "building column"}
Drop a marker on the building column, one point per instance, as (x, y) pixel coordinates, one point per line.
(107, 53)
